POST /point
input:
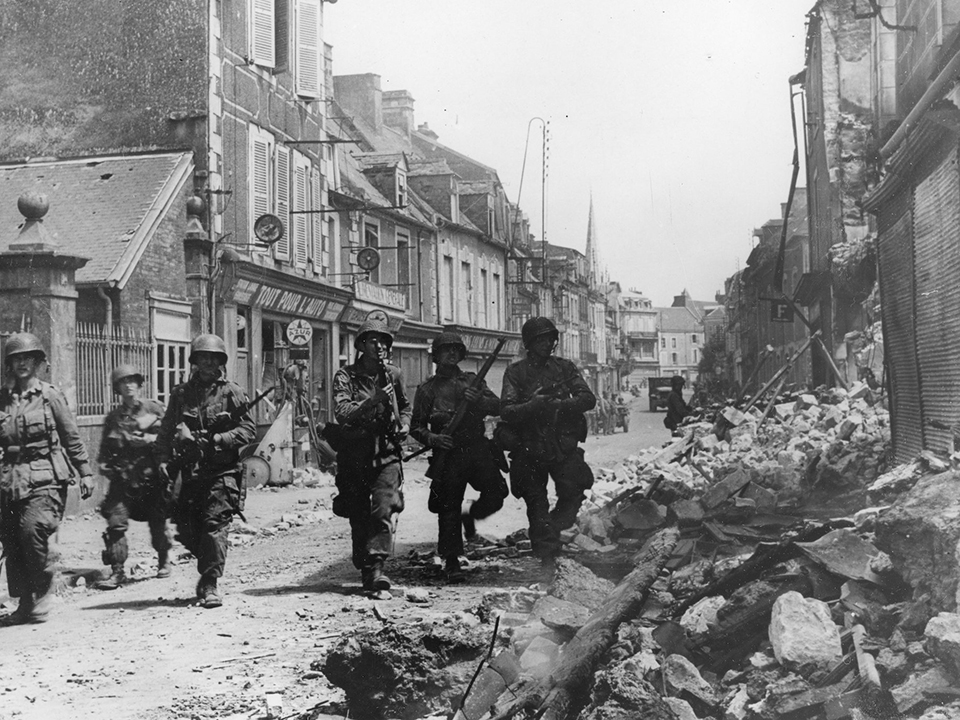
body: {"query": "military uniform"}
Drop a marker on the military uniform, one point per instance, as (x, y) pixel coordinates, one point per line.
(368, 461)
(547, 445)
(136, 490)
(211, 491)
(40, 442)
(469, 462)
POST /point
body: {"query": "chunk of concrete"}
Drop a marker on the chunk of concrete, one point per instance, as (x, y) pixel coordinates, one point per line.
(579, 584)
(682, 677)
(803, 633)
(540, 657)
(702, 615)
(561, 615)
(912, 693)
(943, 640)
(681, 708)
(737, 707)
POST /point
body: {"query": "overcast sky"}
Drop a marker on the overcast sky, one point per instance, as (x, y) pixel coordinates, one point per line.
(673, 114)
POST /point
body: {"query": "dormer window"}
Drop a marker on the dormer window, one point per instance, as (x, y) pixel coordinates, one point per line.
(401, 185)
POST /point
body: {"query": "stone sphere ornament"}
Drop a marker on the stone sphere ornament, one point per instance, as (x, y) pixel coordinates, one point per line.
(33, 205)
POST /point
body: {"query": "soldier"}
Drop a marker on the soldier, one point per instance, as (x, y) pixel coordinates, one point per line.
(40, 442)
(374, 417)
(543, 401)
(466, 455)
(201, 435)
(136, 492)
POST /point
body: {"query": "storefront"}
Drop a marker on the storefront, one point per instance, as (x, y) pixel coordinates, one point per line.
(259, 305)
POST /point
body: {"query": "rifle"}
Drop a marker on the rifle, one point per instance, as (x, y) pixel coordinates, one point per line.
(435, 471)
(201, 444)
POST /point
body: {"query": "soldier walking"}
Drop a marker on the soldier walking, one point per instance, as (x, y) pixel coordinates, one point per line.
(543, 402)
(373, 415)
(201, 435)
(466, 454)
(137, 491)
(40, 442)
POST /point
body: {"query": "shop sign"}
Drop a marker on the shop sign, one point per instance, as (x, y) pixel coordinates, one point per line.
(248, 292)
(487, 343)
(299, 332)
(371, 292)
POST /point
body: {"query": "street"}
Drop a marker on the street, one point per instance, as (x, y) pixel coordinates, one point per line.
(148, 651)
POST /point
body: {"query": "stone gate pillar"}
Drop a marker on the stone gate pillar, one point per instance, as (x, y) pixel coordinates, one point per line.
(38, 292)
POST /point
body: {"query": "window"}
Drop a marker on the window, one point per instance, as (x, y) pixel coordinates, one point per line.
(403, 266)
(673, 342)
(484, 308)
(307, 55)
(466, 294)
(448, 291)
(300, 223)
(696, 356)
(663, 343)
(673, 358)
(172, 367)
(495, 305)
(401, 198)
(319, 239)
(371, 238)
(262, 40)
(269, 192)
(693, 339)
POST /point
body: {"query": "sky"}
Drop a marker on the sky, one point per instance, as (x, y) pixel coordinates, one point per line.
(672, 115)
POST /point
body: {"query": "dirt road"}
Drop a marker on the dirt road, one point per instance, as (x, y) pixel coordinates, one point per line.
(147, 651)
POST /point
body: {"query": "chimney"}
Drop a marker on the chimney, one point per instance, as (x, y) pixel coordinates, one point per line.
(425, 130)
(360, 96)
(398, 111)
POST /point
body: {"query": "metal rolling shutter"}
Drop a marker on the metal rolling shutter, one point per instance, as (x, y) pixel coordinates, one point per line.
(899, 331)
(936, 239)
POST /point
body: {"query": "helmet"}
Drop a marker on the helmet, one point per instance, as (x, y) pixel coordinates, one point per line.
(373, 326)
(537, 326)
(124, 371)
(208, 343)
(447, 338)
(677, 380)
(24, 344)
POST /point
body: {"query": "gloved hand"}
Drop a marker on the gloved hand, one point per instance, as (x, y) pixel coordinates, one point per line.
(86, 486)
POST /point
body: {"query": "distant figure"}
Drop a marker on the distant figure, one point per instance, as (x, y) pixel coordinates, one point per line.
(677, 408)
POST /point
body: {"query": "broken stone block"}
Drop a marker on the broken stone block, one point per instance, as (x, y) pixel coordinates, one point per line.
(803, 633)
(507, 665)
(642, 515)
(579, 584)
(893, 666)
(806, 401)
(681, 708)
(832, 417)
(642, 663)
(912, 693)
(507, 600)
(765, 500)
(785, 410)
(620, 693)
(733, 416)
(943, 640)
(848, 426)
(539, 657)
(858, 390)
(682, 677)
(720, 491)
(486, 689)
(921, 532)
(844, 553)
(586, 543)
(561, 615)
(686, 512)
(701, 616)
(524, 634)
(737, 706)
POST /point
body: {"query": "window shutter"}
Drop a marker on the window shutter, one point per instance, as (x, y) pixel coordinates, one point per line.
(282, 21)
(281, 249)
(262, 41)
(259, 179)
(308, 48)
(300, 222)
(320, 259)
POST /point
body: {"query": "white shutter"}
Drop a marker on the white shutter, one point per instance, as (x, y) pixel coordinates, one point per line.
(318, 250)
(262, 43)
(281, 249)
(260, 204)
(308, 48)
(300, 222)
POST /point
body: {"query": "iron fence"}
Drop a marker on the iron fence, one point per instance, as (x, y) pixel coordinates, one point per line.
(99, 350)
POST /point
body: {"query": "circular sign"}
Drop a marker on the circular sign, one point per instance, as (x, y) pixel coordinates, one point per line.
(379, 316)
(299, 332)
(368, 258)
(268, 229)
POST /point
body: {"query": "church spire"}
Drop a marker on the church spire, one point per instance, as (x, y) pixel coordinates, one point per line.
(593, 256)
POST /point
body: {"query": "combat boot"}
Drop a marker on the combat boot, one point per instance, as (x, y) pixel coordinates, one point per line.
(43, 599)
(453, 571)
(378, 580)
(163, 564)
(115, 579)
(208, 593)
(22, 614)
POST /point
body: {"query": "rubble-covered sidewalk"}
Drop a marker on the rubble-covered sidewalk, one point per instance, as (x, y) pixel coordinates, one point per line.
(767, 564)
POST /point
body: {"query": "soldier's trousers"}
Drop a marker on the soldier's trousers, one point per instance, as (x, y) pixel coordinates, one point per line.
(473, 466)
(571, 477)
(203, 513)
(26, 526)
(118, 508)
(369, 496)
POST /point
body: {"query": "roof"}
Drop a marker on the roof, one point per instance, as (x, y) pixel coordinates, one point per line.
(677, 319)
(101, 208)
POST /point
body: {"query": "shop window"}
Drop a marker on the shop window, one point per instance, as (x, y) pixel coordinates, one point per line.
(371, 238)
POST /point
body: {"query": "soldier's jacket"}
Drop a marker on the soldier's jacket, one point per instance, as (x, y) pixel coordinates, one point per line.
(40, 442)
(204, 410)
(365, 434)
(436, 402)
(127, 444)
(546, 432)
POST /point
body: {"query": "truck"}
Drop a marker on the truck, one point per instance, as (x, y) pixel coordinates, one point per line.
(658, 388)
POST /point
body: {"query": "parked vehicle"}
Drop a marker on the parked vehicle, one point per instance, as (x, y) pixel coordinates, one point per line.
(658, 388)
